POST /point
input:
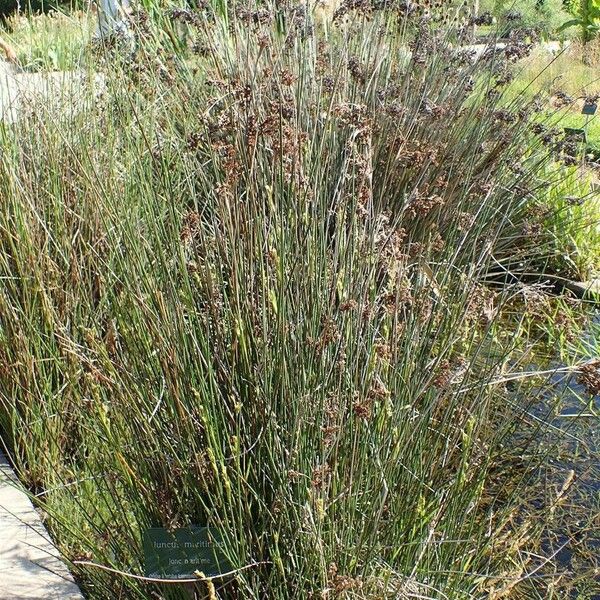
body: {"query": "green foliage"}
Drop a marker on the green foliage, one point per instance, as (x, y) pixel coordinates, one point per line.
(570, 5)
(587, 19)
(9, 7)
(574, 205)
(51, 41)
(545, 15)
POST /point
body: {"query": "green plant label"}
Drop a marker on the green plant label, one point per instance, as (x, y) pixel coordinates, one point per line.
(179, 553)
(575, 134)
(589, 109)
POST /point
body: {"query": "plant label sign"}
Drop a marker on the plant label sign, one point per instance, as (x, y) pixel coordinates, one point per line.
(180, 553)
(589, 109)
(574, 134)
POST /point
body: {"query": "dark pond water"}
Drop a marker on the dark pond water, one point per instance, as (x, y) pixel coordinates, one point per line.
(572, 447)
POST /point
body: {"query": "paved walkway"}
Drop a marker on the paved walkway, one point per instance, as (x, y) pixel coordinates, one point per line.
(550, 47)
(29, 565)
(23, 93)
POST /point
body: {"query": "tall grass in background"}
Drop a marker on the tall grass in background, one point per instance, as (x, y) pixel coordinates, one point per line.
(51, 41)
(243, 289)
(575, 220)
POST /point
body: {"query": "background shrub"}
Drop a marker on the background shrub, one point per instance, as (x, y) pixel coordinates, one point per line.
(8, 7)
(546, 16)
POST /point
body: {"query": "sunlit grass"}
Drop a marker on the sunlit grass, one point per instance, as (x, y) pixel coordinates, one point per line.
(52, 41)
(568, 71)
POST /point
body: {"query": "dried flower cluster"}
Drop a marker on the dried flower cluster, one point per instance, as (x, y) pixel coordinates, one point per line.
(589, 377)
